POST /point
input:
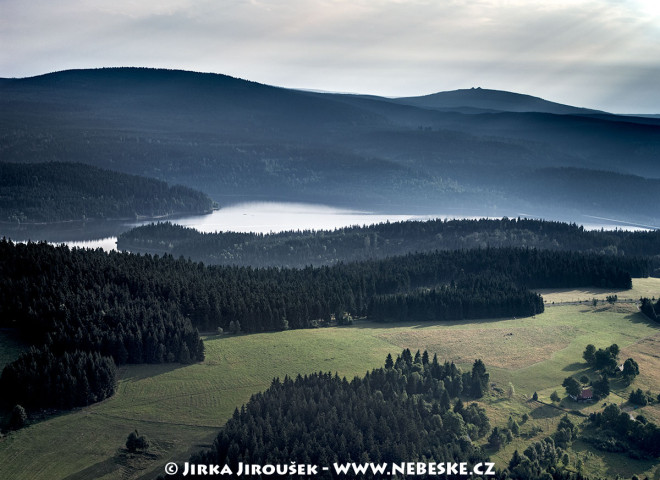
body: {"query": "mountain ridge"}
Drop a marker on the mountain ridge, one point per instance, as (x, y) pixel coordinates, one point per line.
(236, 139)
(476, 98)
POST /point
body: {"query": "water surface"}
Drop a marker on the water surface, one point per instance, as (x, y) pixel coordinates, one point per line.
(258, 217)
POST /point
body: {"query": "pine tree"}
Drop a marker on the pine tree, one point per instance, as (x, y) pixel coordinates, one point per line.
(131, 441)
(389, 363)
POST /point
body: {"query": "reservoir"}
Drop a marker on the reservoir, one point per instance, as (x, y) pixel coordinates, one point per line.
(257, 217)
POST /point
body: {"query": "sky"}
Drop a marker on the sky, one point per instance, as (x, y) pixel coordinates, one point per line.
(602, 54)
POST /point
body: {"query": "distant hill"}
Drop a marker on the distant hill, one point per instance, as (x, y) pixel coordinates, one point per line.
(55, 192)
(484, 100)
(303, 248)
(238, 140)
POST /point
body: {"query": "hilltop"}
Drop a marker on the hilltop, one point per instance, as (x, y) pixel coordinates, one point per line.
(476, 100)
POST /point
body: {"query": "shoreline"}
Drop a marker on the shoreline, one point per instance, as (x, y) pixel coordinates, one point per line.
(137, 218)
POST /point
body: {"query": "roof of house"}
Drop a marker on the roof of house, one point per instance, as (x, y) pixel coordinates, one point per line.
(586, 393)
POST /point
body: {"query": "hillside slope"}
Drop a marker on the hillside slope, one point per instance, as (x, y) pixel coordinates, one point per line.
(482, 99)
(238, 140)
(55, 192)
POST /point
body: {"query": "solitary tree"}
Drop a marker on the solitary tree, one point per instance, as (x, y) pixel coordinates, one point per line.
(555, 396)
(18, 418)
(480, 378)
(630, 370)
(131, 441)
(135, 441)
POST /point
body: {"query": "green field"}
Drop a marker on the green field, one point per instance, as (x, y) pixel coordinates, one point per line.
(642, 287)
(180, 408)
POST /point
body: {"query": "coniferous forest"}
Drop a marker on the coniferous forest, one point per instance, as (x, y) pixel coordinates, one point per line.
(42, 378)
(83, 325)
(303, 248)
(127, 308)
(62, 191)
(404, 412)
(230, 137)
(408, 411)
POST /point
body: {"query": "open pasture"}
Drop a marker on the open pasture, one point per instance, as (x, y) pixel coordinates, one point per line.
(181, 407)
(642, 287)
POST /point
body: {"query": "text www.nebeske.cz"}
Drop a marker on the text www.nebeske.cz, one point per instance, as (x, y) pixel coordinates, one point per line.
(352, 469)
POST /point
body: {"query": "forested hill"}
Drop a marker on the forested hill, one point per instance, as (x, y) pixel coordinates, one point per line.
(477, 99)
(59, 191)
(302, 248)
(238, 140)
(86, 311)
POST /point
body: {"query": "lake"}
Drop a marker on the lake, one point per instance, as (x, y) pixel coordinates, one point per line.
(259, 217)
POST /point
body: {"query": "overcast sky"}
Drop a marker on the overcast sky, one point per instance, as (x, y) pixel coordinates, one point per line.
(594, 53)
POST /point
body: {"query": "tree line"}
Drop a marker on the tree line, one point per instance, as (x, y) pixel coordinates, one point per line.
(471, 298)
(148, 309)
(650, 309)
(59, 191)
(41, 378)
(308, 247)
(615, 431)
(62, 292)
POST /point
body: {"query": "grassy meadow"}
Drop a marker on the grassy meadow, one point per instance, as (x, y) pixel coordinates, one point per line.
(642, 287)
(180, 408)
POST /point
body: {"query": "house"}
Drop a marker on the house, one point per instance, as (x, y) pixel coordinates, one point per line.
(585, 395)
